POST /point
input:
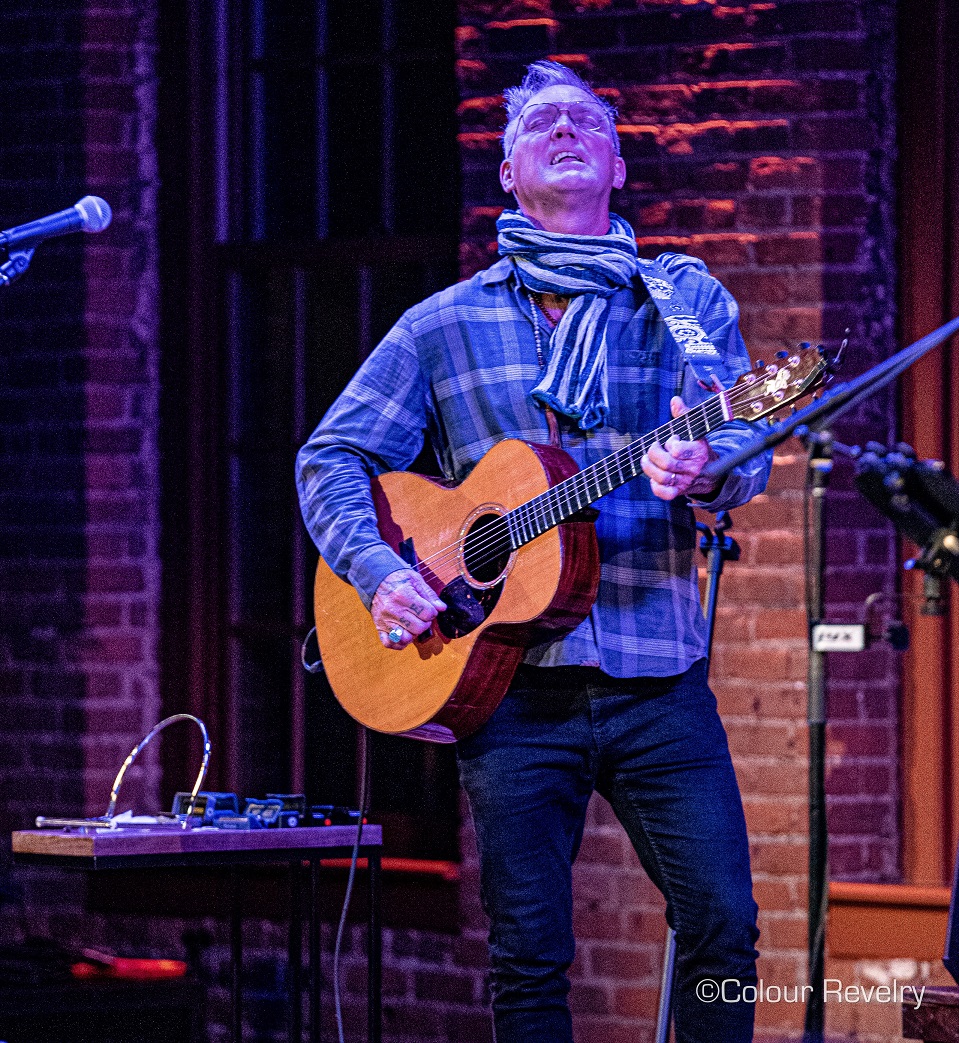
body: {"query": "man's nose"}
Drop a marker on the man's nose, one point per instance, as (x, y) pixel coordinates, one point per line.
(564, 125)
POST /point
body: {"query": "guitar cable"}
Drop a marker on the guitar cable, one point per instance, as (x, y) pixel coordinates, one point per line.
(366, 772)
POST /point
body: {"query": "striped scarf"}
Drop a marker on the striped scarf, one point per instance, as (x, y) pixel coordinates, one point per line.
(590, 269)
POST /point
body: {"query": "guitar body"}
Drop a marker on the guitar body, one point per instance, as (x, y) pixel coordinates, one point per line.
(443, 687)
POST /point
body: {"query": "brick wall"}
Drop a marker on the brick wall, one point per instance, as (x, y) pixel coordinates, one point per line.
(119, 652)
(79, 572)
(80, 578)
(42, 524)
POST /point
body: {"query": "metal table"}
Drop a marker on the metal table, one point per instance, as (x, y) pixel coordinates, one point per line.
(151, 849)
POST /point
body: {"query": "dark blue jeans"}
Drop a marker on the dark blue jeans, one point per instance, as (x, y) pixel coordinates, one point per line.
(657, 750)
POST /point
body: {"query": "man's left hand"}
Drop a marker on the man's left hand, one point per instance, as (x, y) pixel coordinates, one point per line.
(673, 469)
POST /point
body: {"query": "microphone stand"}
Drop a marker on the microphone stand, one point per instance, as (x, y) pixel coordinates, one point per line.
(718, 547)
(15, 265)
(810, 424)
(820, 469)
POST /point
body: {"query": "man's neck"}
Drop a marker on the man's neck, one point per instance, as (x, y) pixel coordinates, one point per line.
(570, 220)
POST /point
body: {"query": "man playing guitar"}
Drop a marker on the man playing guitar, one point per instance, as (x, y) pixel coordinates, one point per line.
(562, 342)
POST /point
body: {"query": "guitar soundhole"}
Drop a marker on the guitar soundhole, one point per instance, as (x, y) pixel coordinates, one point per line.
(486, 548)
(470, 599)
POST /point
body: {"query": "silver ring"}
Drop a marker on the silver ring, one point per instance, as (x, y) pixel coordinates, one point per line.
(396, 634)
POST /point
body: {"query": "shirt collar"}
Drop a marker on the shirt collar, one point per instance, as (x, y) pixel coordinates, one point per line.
(499, 272)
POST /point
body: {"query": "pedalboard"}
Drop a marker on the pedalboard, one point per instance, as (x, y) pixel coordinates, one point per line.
(274, 811)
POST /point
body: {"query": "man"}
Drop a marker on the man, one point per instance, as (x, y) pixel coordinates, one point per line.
(621, 704)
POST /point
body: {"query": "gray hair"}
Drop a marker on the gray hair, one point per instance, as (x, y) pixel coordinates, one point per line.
(539, 76)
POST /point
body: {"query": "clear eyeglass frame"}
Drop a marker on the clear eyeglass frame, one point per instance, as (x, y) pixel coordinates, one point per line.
(542, 117)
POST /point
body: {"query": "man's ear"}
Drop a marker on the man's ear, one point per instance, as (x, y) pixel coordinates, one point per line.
(506, 175)
(619, 172)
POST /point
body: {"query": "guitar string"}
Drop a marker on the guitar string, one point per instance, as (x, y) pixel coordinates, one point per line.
(544, 504)
(539, 514)
(539, 507)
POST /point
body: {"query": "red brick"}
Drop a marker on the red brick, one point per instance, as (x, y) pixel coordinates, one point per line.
(861, 818)
(779, 857)
(776, 172)
(736, 58)
(108, 614)
(862, 739)
(781, 624)
(773, 893)
(791, 249)
(470, 72)
(464, 1027)
(640, 1003)
(597, 923)
(605, 849)
(771, 777)
(759, 287)
(720, 177)
(115, 578)
(588, 999)
(445, 986)
(105, 404)
(108, 472)
(621, 962)
(656, 215)
(775, 817)
(772, 738)
(721, 250)
(778, 932)
(656, 104)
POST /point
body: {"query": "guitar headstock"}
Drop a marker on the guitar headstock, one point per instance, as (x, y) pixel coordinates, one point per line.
(768, 388)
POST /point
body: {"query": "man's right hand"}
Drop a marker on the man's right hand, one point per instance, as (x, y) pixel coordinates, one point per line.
(405, 604)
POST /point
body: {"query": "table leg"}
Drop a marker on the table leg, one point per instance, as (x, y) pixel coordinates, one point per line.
(294, 956)
(374, 997)
(316, 955)
(236, 955)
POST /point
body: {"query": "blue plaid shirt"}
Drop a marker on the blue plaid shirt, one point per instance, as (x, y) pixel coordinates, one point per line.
(459, 367)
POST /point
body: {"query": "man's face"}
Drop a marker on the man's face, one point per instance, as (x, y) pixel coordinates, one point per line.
(565, 164)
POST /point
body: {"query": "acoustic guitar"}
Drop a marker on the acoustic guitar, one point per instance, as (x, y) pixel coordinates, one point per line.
(512, 551)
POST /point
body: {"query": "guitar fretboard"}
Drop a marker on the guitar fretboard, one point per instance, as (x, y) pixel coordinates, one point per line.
(565, 499)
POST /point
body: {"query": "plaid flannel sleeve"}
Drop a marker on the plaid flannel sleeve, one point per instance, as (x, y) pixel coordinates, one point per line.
(377, 424)
(718, 312)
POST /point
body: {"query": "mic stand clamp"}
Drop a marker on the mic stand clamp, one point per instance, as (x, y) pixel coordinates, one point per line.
(15, 265)
(939, 559)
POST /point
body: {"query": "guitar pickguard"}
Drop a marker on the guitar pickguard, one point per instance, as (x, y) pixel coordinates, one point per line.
(467, 607)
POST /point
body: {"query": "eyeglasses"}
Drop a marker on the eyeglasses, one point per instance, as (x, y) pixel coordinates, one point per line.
(538, 119)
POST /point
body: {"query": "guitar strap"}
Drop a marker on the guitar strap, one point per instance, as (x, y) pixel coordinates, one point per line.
(698, 351)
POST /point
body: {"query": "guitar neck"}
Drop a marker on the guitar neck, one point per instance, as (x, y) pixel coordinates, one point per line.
(562, 501)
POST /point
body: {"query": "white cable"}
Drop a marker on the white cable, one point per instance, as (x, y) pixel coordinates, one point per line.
(364, 796)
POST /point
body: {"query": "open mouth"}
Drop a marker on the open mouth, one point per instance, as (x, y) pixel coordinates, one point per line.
(564, 157)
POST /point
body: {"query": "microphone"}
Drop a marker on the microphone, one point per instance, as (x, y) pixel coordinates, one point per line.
(91, 214)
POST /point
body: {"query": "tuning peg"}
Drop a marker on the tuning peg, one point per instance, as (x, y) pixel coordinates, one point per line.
(760, 363)
(782, 354)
